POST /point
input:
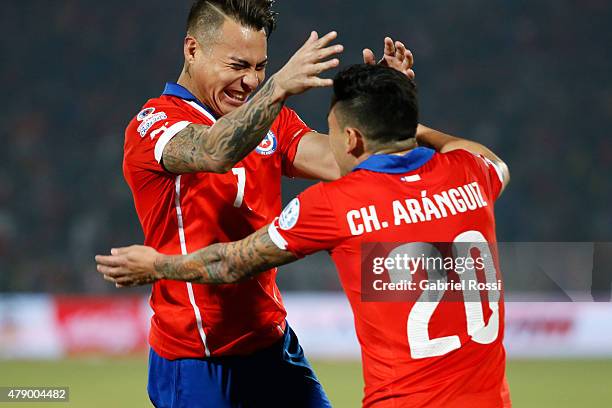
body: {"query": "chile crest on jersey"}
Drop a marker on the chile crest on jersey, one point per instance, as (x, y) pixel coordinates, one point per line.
(267, 145)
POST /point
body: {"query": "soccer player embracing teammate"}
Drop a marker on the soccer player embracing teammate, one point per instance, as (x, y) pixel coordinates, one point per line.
(204, 162)
(415, 353)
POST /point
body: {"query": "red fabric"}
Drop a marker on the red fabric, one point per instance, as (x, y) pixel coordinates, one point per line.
(238, 318)
(470, 375)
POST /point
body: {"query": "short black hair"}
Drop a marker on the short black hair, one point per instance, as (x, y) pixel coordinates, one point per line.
(378, 100)
(208, 15)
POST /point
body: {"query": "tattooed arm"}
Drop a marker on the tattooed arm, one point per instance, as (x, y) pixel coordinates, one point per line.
(217, 263)
(219, 147)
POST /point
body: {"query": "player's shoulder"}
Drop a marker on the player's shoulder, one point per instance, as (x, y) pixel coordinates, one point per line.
(458, 158)
(287, 117)
(457, 155)
(462, 155)
(154, 110)
(157, 103)
(287, 111)
(351, 184)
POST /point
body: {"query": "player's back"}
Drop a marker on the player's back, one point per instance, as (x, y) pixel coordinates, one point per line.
(422, 348)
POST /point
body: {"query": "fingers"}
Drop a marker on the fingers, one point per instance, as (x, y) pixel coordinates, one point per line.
(316, 42)
(301, 71)
(110, 271)
(404, 55)
(117, 276)
(110, 260)
(108, 278)
(120, 281)
(110, 265)
(314, 64)
(389, 47)
(400, 51)
(324, 66)
(123, 250)
(398, 57)
(326, 39)
(368, 57)
(329, 51)
(316, 82)
(314, 36)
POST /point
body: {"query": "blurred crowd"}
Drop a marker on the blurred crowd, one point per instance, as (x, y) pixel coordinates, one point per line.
(529, 79)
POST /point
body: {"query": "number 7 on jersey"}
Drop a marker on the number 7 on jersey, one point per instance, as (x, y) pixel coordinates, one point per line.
(240, 173)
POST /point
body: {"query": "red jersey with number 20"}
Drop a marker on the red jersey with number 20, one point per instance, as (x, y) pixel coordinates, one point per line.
(182, 213)
(415, 354)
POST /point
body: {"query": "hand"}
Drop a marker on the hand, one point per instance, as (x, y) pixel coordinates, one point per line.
(396, 57)
(301, 72)
(129, 266)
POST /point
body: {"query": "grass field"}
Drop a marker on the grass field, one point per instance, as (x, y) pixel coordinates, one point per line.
(121, 382)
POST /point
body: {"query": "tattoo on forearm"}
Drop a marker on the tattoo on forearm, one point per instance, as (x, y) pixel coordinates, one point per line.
(229, 140)
(226, 263)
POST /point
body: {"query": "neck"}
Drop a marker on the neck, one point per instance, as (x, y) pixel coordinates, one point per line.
(399, 147)
(186, 82)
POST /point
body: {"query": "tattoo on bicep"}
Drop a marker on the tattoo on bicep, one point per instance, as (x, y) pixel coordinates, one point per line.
(183, 153)
(224, 263)
(236, 134)
(229, 140)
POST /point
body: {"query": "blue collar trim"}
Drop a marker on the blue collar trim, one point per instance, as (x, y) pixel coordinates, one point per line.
(393, 164)
(174, 89)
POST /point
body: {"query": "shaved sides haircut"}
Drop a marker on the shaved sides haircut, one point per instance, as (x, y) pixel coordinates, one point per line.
(207, 16)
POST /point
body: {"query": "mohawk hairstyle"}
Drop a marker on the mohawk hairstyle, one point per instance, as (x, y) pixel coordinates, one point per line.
(206, 16)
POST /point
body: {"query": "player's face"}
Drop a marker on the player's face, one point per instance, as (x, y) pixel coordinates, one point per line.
(231, 69)
(339, 144)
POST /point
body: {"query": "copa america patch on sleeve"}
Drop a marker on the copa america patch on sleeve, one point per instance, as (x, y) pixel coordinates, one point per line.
(148, 119)
(290, 215)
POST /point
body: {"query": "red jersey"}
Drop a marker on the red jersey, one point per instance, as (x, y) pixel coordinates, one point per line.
(183, 213)
(433, 353)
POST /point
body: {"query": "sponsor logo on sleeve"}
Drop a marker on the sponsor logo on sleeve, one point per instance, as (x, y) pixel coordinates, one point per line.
(290, 215)
(148, 119)
(268, 145)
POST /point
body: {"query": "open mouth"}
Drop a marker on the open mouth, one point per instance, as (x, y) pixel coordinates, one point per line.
(236, 98)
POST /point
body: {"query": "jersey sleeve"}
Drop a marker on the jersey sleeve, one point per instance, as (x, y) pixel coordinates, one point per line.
(148, 133)
(291, 129)
(489, 173)
(307, 224)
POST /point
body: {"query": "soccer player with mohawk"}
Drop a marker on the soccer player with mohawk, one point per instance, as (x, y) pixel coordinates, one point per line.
(204, 162)
(415, 353)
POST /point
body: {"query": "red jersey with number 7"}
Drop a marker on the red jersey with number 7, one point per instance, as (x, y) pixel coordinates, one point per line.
(418, 350)
(182, 213)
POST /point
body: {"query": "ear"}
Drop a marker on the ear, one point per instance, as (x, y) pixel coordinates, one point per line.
(190, 46)
(355, 144)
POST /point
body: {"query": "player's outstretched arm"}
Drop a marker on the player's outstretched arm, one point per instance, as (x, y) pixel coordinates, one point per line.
(444, 143)
(218, 263)
(219, 147)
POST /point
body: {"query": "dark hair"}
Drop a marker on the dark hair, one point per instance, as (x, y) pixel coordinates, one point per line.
(208, 15)
(378, 100)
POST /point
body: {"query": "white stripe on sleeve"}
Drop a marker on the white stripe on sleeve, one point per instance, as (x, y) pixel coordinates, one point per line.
(166, 136)
(276, 237)
(499, 172)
